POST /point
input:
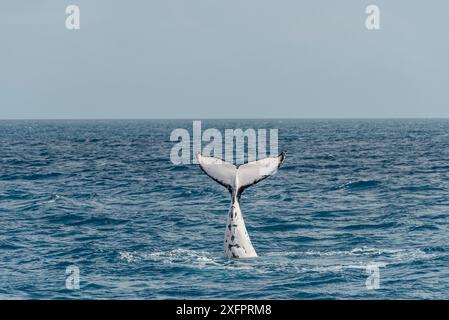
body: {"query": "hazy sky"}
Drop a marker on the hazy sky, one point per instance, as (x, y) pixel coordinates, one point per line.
(224, 59)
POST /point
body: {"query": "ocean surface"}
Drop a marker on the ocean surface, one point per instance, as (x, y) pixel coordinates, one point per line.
(104, 196)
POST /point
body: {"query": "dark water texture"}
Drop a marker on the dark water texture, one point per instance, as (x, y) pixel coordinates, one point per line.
(104, 196)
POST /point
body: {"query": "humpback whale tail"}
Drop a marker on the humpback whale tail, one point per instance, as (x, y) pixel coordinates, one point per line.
(237, 243)
(238, 178)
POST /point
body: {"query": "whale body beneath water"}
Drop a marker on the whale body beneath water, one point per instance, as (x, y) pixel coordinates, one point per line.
(236, 179)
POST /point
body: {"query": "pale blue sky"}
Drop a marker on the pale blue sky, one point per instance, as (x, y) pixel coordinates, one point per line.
(224, 59)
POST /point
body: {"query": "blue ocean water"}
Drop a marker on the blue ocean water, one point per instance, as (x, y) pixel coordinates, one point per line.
(104, 196)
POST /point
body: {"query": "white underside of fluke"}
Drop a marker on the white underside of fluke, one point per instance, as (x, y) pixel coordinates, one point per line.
(237, 243)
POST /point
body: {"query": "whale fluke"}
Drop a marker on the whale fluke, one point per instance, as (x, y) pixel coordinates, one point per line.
(236, 179)
(243, 176)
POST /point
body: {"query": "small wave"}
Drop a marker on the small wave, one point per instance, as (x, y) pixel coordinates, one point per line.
(52, 199)
(314, 261)
(390, 255)
(179, 168)
(425, 227)
(352, 252)
(329, 157)
(274, 262)
(421, 188)
(360, 185)
(370, 226)
(338, 268)
(283, 227)
(32, 177)
(171, 256)
(15, 194)
(186, 258)
(10, 245)
(96, 221)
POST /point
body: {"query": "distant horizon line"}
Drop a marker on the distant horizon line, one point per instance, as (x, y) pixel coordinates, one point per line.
(243, 118)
